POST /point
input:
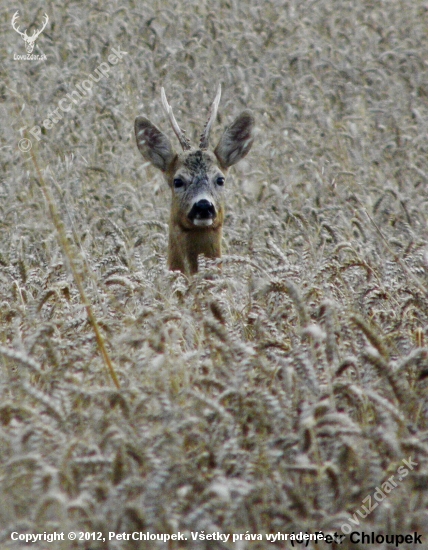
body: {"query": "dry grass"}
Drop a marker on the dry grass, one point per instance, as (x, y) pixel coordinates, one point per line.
(273, 395)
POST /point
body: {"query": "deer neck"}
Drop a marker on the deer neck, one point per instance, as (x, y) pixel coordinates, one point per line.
(185, 245)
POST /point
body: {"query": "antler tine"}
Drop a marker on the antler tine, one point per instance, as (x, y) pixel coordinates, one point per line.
(205, 136)
(14, 18)
(183, 139)
(45, 22)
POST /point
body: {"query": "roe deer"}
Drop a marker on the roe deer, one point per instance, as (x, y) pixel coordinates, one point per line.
(196, 178)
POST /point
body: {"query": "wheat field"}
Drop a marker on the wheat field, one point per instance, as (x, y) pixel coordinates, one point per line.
(277, 392)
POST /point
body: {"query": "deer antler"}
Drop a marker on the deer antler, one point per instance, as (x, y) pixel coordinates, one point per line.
(183, 139)
(36, 33)
(205, 136)
(14, 18)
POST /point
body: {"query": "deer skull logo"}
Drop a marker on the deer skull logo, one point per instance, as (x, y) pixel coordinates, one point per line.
(29, 40)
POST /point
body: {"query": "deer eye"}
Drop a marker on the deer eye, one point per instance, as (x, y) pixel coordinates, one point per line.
(220, 180)
(178, 182)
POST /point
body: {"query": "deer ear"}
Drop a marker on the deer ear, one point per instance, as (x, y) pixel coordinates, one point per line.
(236, 140)
(153, 144)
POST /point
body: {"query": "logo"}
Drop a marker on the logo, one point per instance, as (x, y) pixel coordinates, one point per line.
(29, 40)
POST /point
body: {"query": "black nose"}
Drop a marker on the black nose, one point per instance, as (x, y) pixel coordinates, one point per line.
(202, 210)
(205, 208)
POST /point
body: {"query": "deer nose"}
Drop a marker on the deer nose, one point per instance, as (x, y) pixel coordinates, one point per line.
(205, 209)
(202, 213)
(202, 210)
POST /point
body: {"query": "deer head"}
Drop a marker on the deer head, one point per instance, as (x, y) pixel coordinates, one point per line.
(197, 179)
(29, 40)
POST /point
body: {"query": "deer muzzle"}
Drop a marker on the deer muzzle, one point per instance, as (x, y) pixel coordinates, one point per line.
(202, 213)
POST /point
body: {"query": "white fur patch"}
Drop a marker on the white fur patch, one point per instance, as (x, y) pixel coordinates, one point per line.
(202, 197)
(203, 223)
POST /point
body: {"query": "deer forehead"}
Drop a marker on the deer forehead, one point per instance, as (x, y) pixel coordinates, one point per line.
(197, 165)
